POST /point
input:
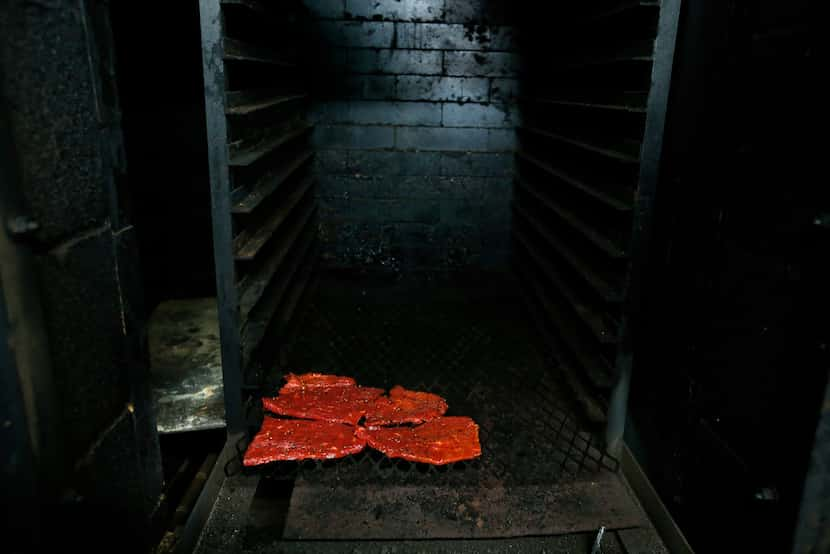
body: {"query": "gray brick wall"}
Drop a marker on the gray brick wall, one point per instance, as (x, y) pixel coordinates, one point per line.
(415, 116)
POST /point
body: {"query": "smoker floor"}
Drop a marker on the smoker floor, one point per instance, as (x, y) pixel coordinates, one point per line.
(541, 472)
(235, 527)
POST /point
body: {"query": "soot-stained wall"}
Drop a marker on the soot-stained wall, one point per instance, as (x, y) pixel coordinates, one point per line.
(58, 93)
(415, 115)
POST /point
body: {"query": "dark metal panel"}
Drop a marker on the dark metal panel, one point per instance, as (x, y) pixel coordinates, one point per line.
(220, 191)
(255, 5)
(650, 157)
(599, 283)
(624, 7)
(639, 51)
(207, 498)
(31, 463)
(252, 241)
(278, 306)
(577, 184)
(271, 183)
(592, 364)
(239, 51)
(592, 407)
(253, 287)
(595, 237)
(245, 155)
(650, 501)
(258, 143)
(18, 435)
(252, 102)
(812, 532)
(617, 154)
(17, 468)
(318, 512)
(627, 102)
(586, 313)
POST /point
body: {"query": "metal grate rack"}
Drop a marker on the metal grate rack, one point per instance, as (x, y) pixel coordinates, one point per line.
(585, 181)
(476, 351)
(262, 188)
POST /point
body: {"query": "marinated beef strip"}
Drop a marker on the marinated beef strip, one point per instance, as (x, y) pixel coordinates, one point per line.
(296, 439)
(294, 383)
(438, 442)
(336, 404)
(405, 406)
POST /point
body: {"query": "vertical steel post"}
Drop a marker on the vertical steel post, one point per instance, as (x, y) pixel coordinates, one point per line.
(650, 156)
(210, 15)
(812, 533)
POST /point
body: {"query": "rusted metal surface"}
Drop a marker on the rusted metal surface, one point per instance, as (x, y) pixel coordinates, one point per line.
(257, 151)
(186, 363)
(425, 512)
(237, 525)
(642, 541)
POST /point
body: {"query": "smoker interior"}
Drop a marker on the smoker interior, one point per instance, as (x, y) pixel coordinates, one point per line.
(542, 471)
(452, 195)
(320, 169)
(402, 194)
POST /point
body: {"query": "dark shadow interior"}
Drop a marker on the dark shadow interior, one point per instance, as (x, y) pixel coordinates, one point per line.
(162, 99)
(596, 228)
(451, 202)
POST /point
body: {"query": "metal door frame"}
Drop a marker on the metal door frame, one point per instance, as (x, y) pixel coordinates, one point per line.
(227, 296)
(650, 158)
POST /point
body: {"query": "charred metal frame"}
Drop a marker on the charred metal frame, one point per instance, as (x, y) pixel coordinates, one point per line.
(812, 532)
(262, 196)
(650, 157)
(213, 55)
(207, 497)
(210, 14)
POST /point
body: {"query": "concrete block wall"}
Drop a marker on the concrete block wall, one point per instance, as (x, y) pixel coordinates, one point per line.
(57, 89)
(414, 107)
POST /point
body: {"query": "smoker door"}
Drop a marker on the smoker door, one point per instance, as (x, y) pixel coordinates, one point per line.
(263, 202)
(587, 164)
(726, 400)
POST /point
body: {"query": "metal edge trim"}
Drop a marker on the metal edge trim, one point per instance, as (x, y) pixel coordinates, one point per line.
(656, 511)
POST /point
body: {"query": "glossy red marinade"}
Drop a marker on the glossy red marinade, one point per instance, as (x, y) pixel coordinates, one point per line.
(405, 406)
(441, 441)
(294, 383)
(338, 403)
(329, 404)
(296, 439)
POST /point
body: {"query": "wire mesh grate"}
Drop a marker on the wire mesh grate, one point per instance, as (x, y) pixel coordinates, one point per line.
(475, 350)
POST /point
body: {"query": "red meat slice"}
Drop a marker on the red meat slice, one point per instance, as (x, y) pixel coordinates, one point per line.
(315, 380)
(439, 442)
(296, 439)
(405, 406)
(336, 404)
